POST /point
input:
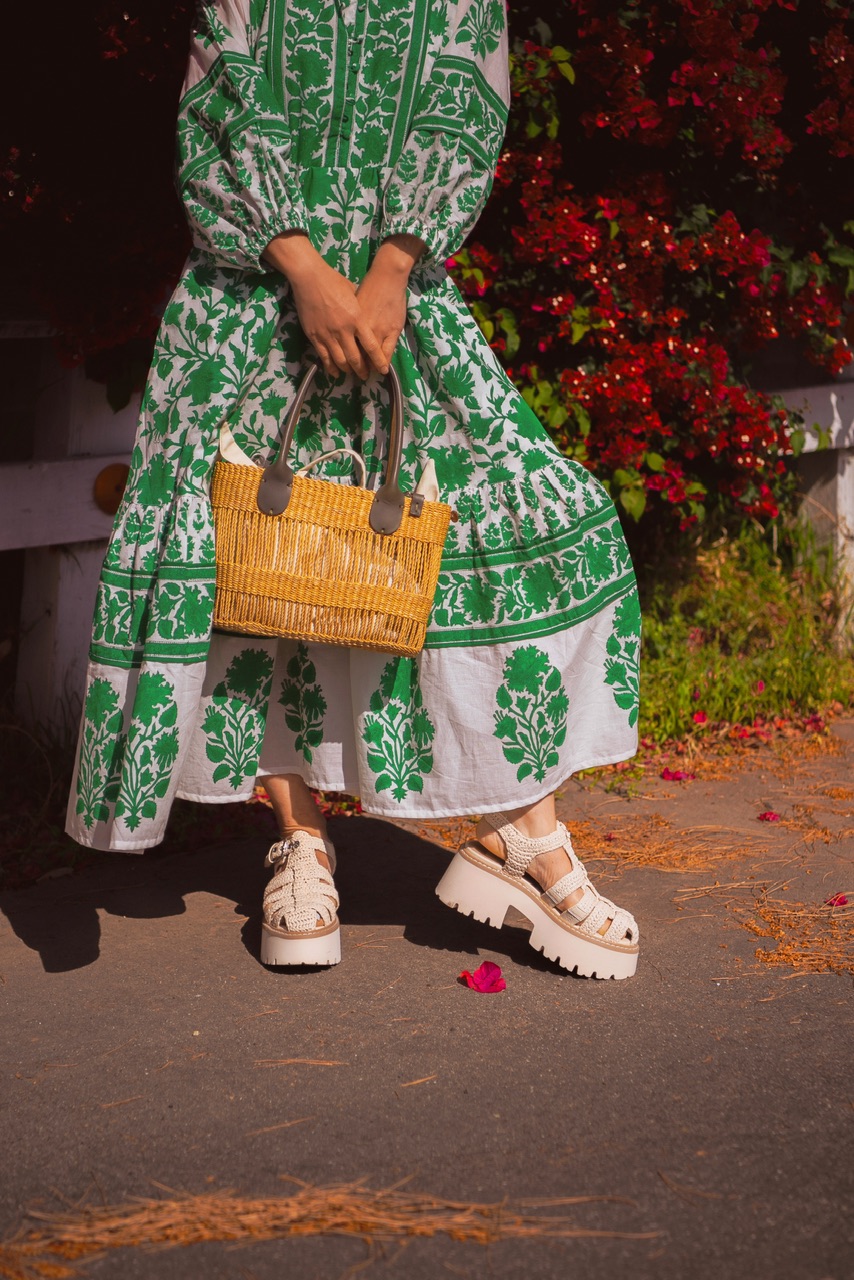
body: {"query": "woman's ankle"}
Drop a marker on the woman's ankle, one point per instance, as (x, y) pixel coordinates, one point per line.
(533, 821)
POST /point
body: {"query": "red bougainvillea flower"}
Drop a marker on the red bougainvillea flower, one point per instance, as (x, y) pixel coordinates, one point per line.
(768, 816)
(486, 979)
(677, 775)
(700, 717)
(836, 900)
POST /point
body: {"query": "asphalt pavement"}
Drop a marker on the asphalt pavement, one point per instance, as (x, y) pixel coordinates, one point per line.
(144, 1046)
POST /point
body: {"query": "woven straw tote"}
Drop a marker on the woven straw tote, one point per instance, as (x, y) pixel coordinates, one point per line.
(316, 560)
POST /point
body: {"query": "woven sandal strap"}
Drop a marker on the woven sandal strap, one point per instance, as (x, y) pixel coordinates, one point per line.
(522, 849)
(602, 911)
(316, 843)
(568, 884)
(300, 892)
(586, 904)
(624, 923)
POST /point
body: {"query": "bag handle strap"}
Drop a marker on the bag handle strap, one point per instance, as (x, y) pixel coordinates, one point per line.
(338, 453)
(274, 491)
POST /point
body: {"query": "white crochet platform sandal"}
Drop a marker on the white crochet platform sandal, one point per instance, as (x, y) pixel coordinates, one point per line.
(479, 884)
(300, 904)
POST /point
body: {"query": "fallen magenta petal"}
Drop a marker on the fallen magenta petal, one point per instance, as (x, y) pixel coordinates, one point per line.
(676, 775)
(769, 816)
(487, 978)
(836, 900)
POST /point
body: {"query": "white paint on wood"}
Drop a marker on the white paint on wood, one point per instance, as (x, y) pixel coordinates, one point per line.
(56, 624)
(830, 408)
(44, 504)
(74, 417)
(48, 507)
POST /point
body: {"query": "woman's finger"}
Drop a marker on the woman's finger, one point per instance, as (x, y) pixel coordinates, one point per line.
(325, 359)
(389, 343)
(353, 355)
(338, 356)
(373, 348)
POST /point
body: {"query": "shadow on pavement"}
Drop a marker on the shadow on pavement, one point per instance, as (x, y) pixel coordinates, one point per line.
(386, 876)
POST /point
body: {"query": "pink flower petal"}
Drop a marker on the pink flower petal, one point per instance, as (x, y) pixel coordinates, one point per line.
(677, 775)
(487, 978)
(769, 816)
(836, 900)
(700, 717)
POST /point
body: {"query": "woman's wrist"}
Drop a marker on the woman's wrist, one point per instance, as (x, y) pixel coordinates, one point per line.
(293, 254)
(397, 255)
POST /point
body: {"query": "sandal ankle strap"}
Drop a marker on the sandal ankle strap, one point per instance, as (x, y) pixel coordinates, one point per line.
(298, 839)
(522, 849)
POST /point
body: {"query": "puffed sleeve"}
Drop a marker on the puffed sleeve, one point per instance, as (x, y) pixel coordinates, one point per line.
(444, 174)
(234, 167)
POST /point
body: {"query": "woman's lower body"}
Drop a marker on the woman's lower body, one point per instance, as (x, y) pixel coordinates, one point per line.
(530, 669)
(521, 858)
(445, 734)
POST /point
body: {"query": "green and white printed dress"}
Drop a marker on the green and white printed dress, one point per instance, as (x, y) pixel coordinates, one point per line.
(352, 121)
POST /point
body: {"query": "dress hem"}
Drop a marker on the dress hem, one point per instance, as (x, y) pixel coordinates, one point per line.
(495, 806)
(408, 814)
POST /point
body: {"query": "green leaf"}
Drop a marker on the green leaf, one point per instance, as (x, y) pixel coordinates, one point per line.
(654, 461)
(797, 440)
(633, 501)
(582, 417)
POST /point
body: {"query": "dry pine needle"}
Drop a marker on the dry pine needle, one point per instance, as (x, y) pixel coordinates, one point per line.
(39, 1251)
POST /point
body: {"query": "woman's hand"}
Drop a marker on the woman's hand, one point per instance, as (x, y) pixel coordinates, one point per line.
(382, 293)
(332, 318)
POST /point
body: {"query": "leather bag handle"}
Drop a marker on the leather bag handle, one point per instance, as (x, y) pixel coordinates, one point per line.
(274, 491)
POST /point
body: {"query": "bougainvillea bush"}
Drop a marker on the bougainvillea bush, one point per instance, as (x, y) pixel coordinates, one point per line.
(673, 201)
(677, 189)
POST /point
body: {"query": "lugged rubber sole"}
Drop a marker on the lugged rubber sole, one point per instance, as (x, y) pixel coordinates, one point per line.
(475, 889)
(278, 950)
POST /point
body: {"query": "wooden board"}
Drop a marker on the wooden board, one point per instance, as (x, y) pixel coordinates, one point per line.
(44, 504)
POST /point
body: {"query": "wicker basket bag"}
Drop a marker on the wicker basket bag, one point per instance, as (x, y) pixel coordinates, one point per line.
(315, 560)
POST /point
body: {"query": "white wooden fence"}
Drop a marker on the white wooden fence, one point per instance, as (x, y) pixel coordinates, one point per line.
(48, 507)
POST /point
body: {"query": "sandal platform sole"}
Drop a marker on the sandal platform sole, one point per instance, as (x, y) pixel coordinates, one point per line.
(475, 889)
(323, 947)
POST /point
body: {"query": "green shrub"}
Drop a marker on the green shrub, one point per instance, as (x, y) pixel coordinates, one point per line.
(742, 634)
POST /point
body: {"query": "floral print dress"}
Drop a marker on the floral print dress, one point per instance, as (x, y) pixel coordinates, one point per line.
(351, 121)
